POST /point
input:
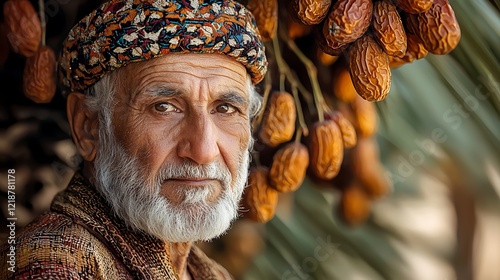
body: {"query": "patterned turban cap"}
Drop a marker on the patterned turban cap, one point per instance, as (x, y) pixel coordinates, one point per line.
(124, 31)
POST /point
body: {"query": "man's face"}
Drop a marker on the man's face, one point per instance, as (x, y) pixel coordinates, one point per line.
(180, 133)
(183, 107)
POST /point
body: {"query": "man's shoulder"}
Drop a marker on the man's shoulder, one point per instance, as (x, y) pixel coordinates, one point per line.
(54, 230)
(53, 244)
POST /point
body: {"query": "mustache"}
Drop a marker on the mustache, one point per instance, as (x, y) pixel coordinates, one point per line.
(190, 170)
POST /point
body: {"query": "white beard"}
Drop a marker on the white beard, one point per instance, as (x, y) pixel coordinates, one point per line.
(138, 200)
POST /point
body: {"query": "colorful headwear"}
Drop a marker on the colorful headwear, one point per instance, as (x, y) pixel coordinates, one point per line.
(124, 31)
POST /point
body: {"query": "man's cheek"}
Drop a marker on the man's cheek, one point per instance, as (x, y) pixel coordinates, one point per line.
(145, 163)
(233, 136)
(244, 135)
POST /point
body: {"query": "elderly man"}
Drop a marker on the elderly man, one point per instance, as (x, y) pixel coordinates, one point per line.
(162, 94)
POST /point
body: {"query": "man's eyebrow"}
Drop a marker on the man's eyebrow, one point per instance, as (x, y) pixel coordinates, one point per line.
(231, 97)
(162, 91)
(234, 98)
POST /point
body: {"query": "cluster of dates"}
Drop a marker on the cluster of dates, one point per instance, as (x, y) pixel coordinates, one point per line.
(379, 34)
(23, 30)
(341, 143)
(364, 175)
(373, 36)
(323, 155)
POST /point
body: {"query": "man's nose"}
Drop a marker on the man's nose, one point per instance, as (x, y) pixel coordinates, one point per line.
(199, 140)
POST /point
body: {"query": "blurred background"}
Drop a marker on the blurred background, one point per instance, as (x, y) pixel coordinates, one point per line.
(439, 142)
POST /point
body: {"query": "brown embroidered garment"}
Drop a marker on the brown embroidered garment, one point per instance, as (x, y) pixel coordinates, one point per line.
(80, 238)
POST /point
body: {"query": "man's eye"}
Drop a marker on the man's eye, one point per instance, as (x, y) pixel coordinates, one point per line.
(164, 107)
(225, 109)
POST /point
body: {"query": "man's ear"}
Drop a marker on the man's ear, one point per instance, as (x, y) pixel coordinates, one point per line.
(84, 126)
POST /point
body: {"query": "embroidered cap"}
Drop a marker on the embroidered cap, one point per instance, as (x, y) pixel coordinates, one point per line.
(124, 31)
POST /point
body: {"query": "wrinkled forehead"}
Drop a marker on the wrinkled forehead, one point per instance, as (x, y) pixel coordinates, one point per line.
(185, 71)
(201, 65)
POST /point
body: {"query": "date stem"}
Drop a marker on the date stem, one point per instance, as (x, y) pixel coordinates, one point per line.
(298, 135)
(312, 72)
(267, 90)
(41, 10)
(288, 74)
(300, 113)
